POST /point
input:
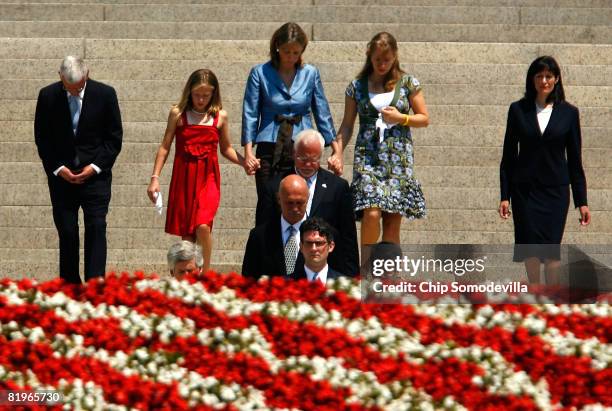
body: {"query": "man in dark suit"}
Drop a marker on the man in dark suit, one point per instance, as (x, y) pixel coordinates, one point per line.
(273, 247)
(78, 133)
(316, 244)
(329, 198)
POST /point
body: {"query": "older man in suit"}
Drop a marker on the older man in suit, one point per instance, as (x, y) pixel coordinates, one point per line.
(78, 133)
(316, 245)
(329, 197)
(273, 247)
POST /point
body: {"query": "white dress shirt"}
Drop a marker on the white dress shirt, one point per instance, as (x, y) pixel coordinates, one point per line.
(312, 183)
(321, 275)
(543, 116)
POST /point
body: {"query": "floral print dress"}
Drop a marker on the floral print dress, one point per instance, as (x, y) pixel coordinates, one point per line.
(383, 175)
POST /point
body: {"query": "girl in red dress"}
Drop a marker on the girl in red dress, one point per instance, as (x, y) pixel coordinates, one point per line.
(199, 124)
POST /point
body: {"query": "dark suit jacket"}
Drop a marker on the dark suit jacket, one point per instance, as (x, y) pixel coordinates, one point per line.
(300, 273)
(264, 254)
(331, 201)
(99, 132)
(551, 159)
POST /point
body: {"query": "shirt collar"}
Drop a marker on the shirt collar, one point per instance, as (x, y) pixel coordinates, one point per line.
(310, 180)
(81, 93)
(285, 225)
(311, 275)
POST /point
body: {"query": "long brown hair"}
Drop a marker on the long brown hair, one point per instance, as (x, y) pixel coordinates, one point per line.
(287, 33)
(196, 79)
(384, 42)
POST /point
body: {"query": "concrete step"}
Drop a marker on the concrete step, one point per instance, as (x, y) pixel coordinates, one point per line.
(493, 33)
(435, 175)
(318, 51)
(144, 30)
(424, 156)
(440, 218)
(486, 33)
(474, 115)
(434, 135)
(308, 13)
(412, 3)
(178, 71)
(233, 92)
(483, 3)
(230, 240)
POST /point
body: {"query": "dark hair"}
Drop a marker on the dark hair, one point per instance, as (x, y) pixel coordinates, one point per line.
(287, 33)
(317, 224)
(540, 64)
(385, 42)
(196, 79)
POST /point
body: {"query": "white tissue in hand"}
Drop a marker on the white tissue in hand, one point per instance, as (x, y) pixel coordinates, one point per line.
(159, 204)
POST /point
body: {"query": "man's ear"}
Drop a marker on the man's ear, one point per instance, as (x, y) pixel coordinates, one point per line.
(332, 245)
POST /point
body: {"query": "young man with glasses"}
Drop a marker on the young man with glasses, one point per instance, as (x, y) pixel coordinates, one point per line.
(316, 244)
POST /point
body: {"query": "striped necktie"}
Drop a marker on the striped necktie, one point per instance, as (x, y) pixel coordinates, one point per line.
(291, 250)
(75, 112)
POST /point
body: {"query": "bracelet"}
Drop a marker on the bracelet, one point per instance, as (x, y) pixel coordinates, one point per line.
(406, 121)
(154, 176)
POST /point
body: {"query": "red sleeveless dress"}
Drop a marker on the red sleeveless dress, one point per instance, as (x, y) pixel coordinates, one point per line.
(195, 187)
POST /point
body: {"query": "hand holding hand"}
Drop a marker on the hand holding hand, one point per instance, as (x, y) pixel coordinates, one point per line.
(67, 175)
(251, 164)
(85, 173)
(585, 215)
(391, 115)
(335, 164)
(504, 209)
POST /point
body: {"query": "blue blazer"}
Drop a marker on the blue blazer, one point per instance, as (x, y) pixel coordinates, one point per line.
(551, 159)
(266, 95)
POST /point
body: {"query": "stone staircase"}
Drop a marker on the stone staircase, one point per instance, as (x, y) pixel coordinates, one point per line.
(470, 56)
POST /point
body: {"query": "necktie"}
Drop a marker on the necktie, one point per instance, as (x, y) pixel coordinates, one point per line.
(75, 112)
(291, 251)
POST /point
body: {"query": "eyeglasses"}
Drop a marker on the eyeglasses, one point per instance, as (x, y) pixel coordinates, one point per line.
(308, 160)
(317, 244)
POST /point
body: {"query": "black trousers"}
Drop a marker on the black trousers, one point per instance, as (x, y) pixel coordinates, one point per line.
(267, 170)
(93, 197)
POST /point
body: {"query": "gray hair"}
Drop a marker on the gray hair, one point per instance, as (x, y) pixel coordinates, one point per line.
(308, 135)
(184, 251)
(73, 69)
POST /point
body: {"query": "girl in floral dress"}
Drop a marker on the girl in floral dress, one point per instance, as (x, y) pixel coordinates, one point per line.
(384, 186)
(199, 124)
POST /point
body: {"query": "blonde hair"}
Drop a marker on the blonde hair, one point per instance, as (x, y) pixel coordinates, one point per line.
(196, 79)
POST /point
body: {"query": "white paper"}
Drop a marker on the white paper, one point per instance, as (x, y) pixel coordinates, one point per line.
(159, 204)
(380, 101)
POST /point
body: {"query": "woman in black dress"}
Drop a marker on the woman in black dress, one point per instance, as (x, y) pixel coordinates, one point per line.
(541, 158)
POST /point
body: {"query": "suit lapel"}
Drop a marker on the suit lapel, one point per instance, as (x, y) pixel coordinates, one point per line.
(62, 105)
(532, 119)
(274, 78)
(553, 119)
(319, 193)
(87, 97)
(278, 248)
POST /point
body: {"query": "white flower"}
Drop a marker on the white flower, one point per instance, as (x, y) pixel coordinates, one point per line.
(227, 394)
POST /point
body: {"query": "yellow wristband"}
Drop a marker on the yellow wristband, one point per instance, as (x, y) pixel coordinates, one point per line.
(406, 121)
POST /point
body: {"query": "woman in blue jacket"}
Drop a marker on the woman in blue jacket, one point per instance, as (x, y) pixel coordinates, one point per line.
(280, 97)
